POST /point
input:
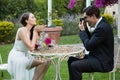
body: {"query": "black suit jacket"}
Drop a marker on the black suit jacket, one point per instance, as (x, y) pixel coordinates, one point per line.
(101, 45)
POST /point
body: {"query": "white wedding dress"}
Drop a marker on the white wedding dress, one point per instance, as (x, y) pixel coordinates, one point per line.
(19, 61)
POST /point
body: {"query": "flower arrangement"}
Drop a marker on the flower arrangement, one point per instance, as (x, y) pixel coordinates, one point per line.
(44, 42)
(72, 4)
(104, 3)
(97, 3)
(92, 29)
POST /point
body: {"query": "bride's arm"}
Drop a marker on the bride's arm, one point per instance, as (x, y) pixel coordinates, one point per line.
(23, 35)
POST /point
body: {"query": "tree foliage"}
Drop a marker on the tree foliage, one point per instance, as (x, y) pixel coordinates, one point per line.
(10, 9)
(14, 8)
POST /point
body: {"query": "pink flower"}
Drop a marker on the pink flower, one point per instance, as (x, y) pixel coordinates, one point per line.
(72, 4)
(103, 3)
(47, 41)
(36, 46)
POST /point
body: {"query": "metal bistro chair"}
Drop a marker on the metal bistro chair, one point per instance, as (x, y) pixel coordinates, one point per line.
(111, 73)
(3, 67)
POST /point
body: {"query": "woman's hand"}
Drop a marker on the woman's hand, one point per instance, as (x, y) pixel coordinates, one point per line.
(39, 27)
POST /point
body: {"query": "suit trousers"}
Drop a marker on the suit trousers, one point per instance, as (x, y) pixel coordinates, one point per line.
(77, 66)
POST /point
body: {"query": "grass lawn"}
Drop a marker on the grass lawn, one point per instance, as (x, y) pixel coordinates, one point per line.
(4, 50)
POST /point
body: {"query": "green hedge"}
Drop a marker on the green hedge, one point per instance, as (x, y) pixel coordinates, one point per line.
(70, 25)
(6, 29)
(109, 18)
(57, 22)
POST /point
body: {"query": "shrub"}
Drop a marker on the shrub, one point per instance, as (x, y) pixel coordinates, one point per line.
(57, 22)
(109, 18)
(70, 24)
(39, 22)
(5, 30)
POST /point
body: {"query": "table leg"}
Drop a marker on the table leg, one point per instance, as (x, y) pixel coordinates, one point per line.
(56, 64)
(56, 61)
(59, 63)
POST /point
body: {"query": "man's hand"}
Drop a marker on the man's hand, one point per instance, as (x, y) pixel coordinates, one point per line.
(81, 26)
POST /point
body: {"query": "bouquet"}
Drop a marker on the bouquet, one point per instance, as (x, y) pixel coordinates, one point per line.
(44, 42)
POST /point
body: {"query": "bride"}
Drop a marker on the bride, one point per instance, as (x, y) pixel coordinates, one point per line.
(21, 65)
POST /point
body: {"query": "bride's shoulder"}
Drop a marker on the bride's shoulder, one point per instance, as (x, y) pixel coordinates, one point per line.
(21, 29)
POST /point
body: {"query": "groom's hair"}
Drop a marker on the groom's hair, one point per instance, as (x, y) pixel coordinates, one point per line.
(92, 10)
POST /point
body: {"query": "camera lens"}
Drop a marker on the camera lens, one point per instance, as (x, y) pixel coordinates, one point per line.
(81, 19)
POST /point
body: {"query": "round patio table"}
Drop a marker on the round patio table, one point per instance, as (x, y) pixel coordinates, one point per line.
(59, 53)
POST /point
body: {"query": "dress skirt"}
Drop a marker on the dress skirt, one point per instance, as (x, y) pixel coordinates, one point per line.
(19, 63)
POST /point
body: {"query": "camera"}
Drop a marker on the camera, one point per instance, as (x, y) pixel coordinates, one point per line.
(83, 18)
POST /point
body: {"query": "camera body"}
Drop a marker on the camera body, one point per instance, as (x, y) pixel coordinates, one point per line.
(82, 19)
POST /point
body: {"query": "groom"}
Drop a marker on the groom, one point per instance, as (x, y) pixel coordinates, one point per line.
(100, 44)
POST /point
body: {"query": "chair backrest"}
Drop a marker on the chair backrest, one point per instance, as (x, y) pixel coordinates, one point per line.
(116, 52)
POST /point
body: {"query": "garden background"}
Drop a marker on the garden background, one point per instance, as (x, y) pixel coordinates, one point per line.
(11, 10)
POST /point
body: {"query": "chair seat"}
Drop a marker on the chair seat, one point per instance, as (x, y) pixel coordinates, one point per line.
(112, 70)
(3, 66)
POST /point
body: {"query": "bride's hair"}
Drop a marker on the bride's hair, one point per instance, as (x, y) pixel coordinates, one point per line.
(31, 32)
(23, 19)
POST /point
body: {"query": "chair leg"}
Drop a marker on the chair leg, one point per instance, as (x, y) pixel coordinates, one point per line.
(88, 76)
(113, 75)
(91, 76)
(110, 75)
